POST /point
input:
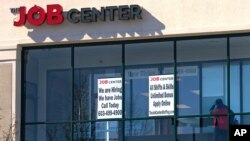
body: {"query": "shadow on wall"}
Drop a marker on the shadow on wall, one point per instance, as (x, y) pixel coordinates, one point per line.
(147, 26)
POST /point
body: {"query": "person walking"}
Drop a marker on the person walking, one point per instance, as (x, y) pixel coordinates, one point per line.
(220, 121)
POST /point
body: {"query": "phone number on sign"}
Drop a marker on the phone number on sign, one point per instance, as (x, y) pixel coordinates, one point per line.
(109, 113)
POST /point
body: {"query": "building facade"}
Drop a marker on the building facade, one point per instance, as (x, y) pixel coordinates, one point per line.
(123, 70)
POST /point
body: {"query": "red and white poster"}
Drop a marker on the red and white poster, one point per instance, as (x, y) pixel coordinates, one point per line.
(161, 95)
(109, 98)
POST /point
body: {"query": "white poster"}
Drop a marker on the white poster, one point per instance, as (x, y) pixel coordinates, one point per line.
(109, 98)
(161, 95)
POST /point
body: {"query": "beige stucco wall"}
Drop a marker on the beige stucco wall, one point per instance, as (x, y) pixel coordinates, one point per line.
(160, 18)
(5, 98)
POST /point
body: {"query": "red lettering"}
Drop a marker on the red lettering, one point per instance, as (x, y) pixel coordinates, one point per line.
(54, 14)
(36, 16)
(22, 17)
(103, 82)
(155, 79)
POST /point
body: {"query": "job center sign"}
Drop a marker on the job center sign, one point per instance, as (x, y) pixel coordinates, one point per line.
(54, 14)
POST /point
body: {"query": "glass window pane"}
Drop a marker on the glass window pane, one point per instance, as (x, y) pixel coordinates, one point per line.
(199, 63)
(143, 60)
(98, 131)
(202, 129)
(240, 52)
(93, 63)
(58, 91)
(214, 84)
(149, 53)
(49, 132)
(240, 120)
(245, 86)
(98, 56)
(188, 90)
(201, 50)
(235, 87)
(48, 84)
(148, 130)
(240, 47)
(239, 90)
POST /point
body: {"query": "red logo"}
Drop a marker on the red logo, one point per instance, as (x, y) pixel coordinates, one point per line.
(37, 16)
(155, 79)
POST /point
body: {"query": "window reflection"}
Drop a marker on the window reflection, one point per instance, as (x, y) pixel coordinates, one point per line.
(239, 89)
(58, 95)
(240, 119)
(214, 84)
(235, 86)
(201, 79)
(197, 89)
(143, 60)
(93, 63)
(245, 85)
(239, 47)
(98, 131)
(148, 130)
(82, 95)
(188, 90)
(240, 77)
(199, 129)
(48, 132)
(48, 84)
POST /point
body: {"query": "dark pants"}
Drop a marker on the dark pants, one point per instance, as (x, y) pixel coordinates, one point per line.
(220, 135)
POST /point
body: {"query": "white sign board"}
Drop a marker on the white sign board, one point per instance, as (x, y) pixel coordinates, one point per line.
(109, 98)
(161, 95)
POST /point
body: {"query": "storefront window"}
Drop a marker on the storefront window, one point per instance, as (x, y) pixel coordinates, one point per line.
(214, 84)
(148, 130)
(201, 73)
(48, 132)
(200, 129)
(98, 131)
(240, 119)
(143, 60)
(240, 67)
(92, 64)
(48, 85)
(136, 91)
(235, 86)
(245, 85)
